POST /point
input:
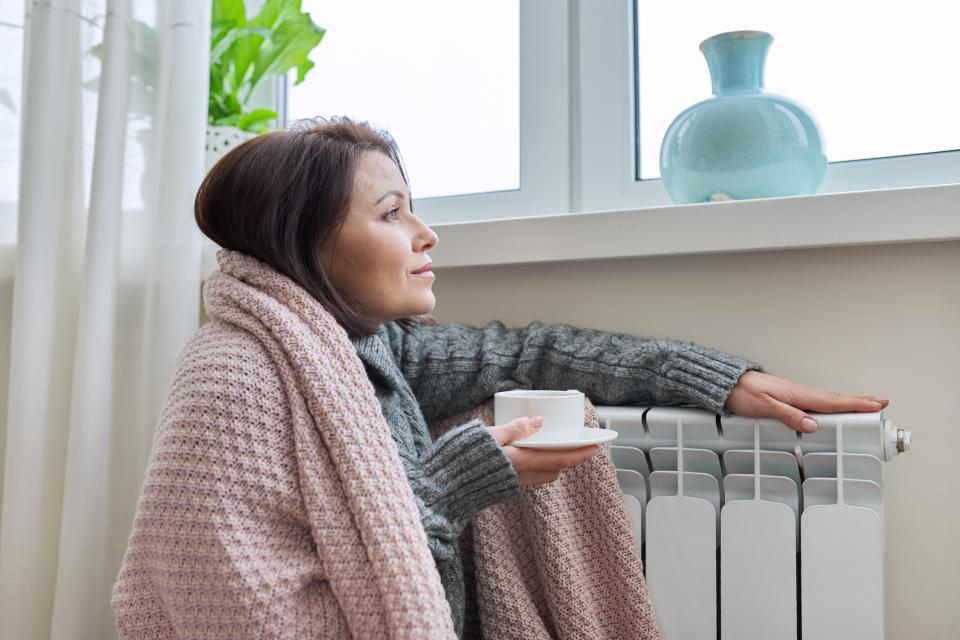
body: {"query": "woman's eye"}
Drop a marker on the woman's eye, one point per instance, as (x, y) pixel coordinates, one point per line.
(393, 212)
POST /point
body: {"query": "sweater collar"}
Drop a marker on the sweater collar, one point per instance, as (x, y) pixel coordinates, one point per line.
(378, 359)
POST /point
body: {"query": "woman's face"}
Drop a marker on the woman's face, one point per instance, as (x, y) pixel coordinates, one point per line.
(381, 244)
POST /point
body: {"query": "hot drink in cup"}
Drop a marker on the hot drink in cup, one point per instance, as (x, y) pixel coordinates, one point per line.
(562, 412)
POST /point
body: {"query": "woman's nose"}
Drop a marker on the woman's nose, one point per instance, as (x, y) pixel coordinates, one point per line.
(428, 238)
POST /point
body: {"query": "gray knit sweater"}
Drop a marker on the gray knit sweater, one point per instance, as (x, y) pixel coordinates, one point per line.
(435, 371)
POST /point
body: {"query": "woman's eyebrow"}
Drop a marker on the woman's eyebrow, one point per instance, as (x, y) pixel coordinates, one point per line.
(392, 192)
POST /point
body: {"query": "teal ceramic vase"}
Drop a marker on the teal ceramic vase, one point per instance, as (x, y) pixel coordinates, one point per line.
(742, 143)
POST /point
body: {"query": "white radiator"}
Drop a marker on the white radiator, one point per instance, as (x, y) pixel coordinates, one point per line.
(750, 530)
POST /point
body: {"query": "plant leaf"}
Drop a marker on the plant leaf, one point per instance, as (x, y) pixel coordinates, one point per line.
(226, 15)
(228, 11)
(221, 47)
(242, 51)
(256, 119)
(292, 42)
(273, 12)
(302, 69)
(230, 120)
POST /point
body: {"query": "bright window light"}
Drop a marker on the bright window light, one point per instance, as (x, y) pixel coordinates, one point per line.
(442, 77)
(879, 77)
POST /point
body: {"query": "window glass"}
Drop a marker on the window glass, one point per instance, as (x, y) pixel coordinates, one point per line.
(442, 77)
(879, 77)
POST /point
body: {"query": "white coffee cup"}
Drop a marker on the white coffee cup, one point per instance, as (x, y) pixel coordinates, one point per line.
(562, 411)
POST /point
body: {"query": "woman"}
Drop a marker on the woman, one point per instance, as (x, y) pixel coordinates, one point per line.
(253, 525)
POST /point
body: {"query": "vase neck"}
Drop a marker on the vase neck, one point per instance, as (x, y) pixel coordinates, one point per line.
(736, 61)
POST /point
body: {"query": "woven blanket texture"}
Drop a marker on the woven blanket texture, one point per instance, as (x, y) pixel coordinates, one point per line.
(275, 504)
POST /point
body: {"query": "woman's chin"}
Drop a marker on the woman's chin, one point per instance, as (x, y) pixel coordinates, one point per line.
(429, 304)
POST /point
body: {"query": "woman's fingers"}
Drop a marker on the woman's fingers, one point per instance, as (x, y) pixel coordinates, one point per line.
(760, 395)
(793, 417)
(537, 466)
(542, 466)
(799, 420)
(551, 459)
(823, 401)
(517, 429)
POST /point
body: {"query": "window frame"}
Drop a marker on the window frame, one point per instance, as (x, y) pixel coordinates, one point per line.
(607, 121)
(544, 127)
(577, 88)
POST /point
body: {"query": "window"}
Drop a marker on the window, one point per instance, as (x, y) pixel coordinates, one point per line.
(610, 77)
(442, 77)
(476, 94)
(877, 77)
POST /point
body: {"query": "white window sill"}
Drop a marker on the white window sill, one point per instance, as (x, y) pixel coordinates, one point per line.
(886, 216)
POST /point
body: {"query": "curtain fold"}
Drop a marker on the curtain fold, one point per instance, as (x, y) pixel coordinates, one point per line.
(105, 291)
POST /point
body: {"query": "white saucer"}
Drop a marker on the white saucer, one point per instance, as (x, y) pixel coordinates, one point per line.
(585, 437)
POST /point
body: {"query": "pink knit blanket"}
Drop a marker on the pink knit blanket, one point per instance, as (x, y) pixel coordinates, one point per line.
(275, 504)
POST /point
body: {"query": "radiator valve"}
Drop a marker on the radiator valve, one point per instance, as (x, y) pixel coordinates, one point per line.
(897, 440)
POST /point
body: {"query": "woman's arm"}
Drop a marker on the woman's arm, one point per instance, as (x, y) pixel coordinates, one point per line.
(459, 474)
(451, 367)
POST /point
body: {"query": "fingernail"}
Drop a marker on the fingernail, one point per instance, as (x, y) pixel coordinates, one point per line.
(537, 421)
(808, 424)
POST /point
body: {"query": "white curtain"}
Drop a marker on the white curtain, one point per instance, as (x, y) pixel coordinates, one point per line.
(111, 110)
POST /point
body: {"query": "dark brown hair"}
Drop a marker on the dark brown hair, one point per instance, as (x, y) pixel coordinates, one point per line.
(282, 197)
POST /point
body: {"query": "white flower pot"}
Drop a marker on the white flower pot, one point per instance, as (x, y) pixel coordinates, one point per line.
(220, 140)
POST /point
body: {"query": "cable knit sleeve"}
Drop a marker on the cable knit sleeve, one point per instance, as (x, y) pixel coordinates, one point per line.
(462, 472)
(452, 477)
(451, 367)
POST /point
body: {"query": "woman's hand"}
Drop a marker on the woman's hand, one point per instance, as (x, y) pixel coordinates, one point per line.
(537, 466)
(760, 395)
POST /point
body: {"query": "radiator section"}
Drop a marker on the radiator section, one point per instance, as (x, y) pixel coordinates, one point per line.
(750, 530)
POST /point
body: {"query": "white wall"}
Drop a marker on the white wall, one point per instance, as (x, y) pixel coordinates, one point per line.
(882, 320)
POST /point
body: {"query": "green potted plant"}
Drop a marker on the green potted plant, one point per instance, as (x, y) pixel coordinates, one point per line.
(243, 52)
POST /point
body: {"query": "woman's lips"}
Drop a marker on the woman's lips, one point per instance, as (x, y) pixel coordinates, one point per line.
(426, 269)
